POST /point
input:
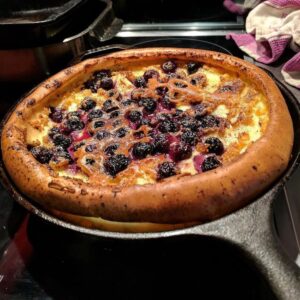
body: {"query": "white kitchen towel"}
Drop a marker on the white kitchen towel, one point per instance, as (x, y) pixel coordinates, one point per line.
(271, 27)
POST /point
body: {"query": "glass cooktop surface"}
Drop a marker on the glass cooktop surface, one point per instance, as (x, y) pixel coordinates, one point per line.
(162, 11)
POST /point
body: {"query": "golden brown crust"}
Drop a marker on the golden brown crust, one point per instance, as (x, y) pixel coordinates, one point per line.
(177, 199)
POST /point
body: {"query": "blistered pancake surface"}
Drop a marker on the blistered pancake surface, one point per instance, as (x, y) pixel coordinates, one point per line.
(142, 123)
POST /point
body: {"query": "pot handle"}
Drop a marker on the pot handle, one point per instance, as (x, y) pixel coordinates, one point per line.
(252, 230)
(103, 28)
(106, 26)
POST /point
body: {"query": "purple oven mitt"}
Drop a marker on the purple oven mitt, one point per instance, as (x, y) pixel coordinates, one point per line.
(271, 27)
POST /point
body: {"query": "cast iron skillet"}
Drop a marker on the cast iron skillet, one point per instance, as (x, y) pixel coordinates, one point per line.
(250, 228)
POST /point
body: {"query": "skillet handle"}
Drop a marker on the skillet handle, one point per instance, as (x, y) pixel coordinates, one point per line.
(263, 246)
(252, 230)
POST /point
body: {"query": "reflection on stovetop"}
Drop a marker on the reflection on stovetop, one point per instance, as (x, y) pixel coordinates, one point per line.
(162, 11)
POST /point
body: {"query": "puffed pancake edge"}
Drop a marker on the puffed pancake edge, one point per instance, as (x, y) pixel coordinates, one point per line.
(178, 199)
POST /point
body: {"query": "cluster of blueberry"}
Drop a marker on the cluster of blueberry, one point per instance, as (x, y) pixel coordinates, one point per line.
(170, 131)
(101, 79)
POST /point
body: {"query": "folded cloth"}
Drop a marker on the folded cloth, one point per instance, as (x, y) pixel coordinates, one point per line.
(240, 7)
(271, 27)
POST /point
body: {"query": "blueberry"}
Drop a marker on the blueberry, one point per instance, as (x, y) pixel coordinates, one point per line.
(209, 121)
(106, 84)
(53, 131)
(110, 150)
(150, 74)
(114, 114)
(62, 140)
(116, 163)
(73, 114)
(59, 152)
(163, 117)
(180, 151)
(74, 123)
(78, 145)
(100, 135)
(168, 126)
(90, 148)
(141, 150)
(210, 163)
(193, 67)
(190, 123)
(89, 161)
(140, 82)
(214, 145)
(166, 103)
(88, 104)
(92, 85)
(110, 105)
(200, 110)
(139, 134)
(134, 116)
(56, 114)
(95, 114)
(127, 102)
(161, 90)
(166, 169)
(98, 124)
(102, 74)
(121, 132)
(189, 137)
(160, 143)
(41, 154)
(169, 66)
(148, 104)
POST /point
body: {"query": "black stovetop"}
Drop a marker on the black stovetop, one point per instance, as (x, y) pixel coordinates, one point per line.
(42, 261)
(170, 11)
